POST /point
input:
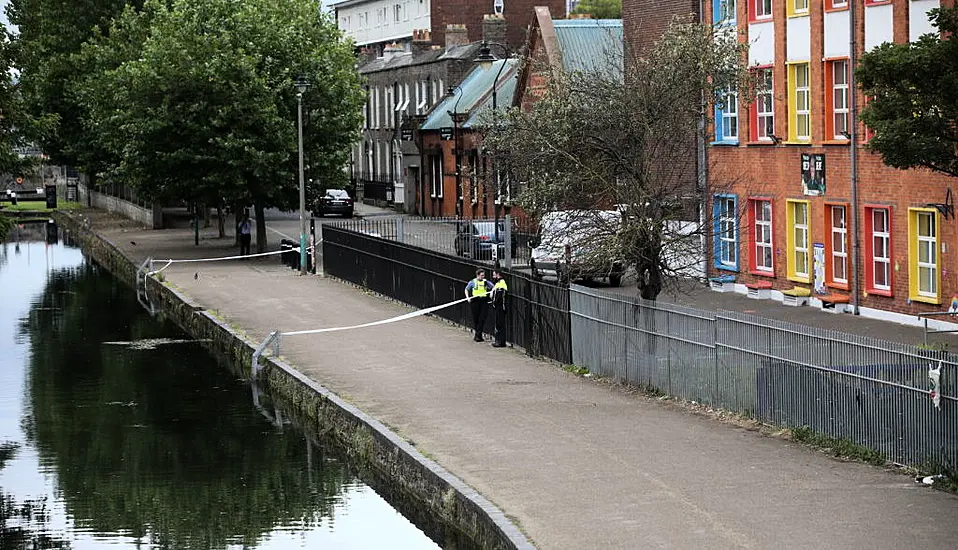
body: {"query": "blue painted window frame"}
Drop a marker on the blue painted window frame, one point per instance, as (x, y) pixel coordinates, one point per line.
(718, 201)
(720, 138)
(717, 11)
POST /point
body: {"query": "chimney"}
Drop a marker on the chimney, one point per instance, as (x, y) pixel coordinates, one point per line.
(366, 55)
(392, 50)
(456, 35)
(421, 40)
(494, 28)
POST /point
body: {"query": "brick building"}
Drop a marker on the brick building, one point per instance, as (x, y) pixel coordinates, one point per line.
(449, 132)
(781, 176)
(375, 24)
(401, 87)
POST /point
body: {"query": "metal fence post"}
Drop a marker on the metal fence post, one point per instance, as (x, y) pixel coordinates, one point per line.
(508, 242)
(400, 229)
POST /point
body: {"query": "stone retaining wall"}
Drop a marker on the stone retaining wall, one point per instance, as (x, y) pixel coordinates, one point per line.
(428, 492)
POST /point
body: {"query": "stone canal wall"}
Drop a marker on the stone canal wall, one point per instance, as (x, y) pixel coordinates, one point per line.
(372, 448)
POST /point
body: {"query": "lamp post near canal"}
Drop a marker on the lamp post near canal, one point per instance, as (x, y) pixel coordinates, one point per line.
(301, 85)
(485, 59)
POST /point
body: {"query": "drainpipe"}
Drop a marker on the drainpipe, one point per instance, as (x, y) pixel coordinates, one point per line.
(853, 153)
(702, 172)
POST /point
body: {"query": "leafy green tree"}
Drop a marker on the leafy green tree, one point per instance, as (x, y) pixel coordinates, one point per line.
(49, 34)
(205, 110)
(600, 9)
(623, 138)
(914, 104)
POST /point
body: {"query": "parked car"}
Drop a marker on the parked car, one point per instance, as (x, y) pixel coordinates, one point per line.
(571, 246)
(476, 239)
(335, 201)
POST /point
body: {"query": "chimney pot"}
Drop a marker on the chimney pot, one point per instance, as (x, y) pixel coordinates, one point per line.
(456, 35)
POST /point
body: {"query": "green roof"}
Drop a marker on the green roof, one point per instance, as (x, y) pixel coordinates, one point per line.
(474, 95)
(590, 45)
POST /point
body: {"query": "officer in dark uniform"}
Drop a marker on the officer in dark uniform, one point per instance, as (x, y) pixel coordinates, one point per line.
(499, 291)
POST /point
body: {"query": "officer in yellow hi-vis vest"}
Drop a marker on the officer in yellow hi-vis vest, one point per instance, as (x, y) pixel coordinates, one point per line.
(499, 291)
(477, 292)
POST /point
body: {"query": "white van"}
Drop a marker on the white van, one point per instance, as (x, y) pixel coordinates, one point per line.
(571, 245)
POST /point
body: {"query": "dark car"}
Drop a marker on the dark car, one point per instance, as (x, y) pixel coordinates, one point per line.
(335, 201)
(477, 239)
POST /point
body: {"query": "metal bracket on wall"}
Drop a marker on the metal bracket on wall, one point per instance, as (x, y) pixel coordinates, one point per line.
(947, 208)
(273, 338)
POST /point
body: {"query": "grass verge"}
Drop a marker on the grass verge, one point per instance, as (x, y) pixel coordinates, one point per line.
(41, 206)
(842, 448)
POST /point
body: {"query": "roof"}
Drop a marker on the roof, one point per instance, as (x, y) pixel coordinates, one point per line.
(475, 95)
(464, 52)
(590, 45)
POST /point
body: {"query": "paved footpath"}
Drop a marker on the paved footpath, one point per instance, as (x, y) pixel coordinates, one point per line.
(578, 464)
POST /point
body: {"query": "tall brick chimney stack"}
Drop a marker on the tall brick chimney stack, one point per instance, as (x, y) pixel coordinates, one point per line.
(421, 40)
(494, 28)
(456, 35)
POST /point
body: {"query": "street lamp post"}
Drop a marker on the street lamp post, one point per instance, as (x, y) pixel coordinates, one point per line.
(454, 115)
(301, 85)
(485, 60)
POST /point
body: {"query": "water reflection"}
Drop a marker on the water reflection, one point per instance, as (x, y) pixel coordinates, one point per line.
(119, 444)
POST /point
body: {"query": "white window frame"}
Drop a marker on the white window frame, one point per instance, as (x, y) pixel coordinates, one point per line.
(765, 119)
(730, 115)
(930, 242)
(801, 229)
(839, 4)
(885, 260)
(839, 90)
(728, 232)
(803, 96)
(760, 12)
(799, 6)
(763, 235)
(842, 234)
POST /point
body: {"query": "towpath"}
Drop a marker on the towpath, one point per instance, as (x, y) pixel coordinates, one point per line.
(578, 464)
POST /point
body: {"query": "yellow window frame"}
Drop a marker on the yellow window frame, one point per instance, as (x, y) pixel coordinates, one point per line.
(792, 12)
(913, 276)
(790, 263)
(793, 103)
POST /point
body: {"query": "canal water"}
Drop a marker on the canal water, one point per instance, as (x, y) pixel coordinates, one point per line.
(116, 431)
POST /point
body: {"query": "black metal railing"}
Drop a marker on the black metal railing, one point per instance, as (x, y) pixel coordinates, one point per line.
(538, 311)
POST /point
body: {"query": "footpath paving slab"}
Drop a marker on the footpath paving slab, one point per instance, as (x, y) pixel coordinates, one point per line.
(578, 464)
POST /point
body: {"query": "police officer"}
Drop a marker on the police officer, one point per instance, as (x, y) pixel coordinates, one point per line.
(499, 291)
(477, 292)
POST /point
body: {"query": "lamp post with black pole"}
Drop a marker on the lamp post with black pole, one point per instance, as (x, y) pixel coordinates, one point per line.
(454, 115)
(485, 59)
(301, 86)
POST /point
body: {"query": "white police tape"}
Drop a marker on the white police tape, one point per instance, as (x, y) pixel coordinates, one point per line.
(405, 316)
(170, 262)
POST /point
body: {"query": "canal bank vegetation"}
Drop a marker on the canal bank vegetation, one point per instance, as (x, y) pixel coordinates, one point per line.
(192, 100)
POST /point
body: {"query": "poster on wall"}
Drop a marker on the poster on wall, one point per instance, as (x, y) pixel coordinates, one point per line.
(818, 268)
(813, 174)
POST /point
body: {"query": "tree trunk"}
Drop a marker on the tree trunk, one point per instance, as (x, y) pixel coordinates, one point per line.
(260, 228)
(206, 217)
(650, 281)
(220, 222)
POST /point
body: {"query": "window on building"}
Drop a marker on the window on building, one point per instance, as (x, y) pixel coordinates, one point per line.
(474, 176)
(798, 241)
(725, 214)
(763, 256)
(763, 119)
(836, 4)
(726, 117)
(837, 99)
(800, 103)
(723, 12)
(435, 176)
(836, 249)
(397, 15)
(878, 272)
(797, 7)
(763, 9)
(923, 272)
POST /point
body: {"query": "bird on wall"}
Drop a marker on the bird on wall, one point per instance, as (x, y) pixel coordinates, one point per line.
(196, 275)
(133, 243)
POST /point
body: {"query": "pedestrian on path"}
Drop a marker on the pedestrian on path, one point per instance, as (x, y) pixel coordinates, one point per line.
(246, 235)
(477, 292)
(499, 292)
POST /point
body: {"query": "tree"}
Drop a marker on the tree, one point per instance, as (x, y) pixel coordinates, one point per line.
(49, 34)
(624, 139)
(205, 109)
(600, 9)
(913, 107)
